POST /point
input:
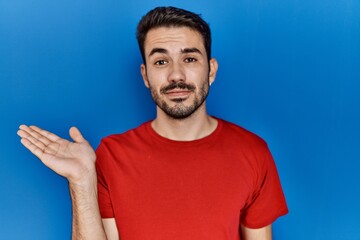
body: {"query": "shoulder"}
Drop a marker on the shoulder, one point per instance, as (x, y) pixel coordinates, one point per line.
(116, 148)
(252, 149)
(125, 138)
(239, 134)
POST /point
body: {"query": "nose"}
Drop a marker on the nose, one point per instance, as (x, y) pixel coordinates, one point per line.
(176, 73)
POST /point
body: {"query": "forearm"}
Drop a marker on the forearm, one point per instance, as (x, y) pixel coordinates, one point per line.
(264, 233)
(76, 162)
(86, 223)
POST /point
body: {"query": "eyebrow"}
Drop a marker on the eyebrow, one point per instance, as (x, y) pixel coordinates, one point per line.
(157, 50)
(185, 50)
(191, 50)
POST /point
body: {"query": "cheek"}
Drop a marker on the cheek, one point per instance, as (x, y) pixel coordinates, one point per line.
(197, 75)
(157, 79)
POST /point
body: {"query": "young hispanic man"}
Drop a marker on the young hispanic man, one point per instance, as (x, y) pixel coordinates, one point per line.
(183, 175)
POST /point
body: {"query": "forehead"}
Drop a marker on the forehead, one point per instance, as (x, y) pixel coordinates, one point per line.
(172, 38)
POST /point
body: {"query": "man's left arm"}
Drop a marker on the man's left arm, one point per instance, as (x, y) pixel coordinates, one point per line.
(264, 233)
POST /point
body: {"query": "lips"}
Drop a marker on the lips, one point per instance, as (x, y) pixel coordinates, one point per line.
(178, 93)
(177, 87)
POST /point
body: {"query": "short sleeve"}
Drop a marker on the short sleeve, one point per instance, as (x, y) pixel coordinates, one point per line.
(105, 205)
(267, 202)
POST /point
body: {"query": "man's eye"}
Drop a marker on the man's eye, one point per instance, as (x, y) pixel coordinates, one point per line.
(161, 62)
(190, 59)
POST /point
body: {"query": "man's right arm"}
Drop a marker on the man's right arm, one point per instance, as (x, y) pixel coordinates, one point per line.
(76, 162)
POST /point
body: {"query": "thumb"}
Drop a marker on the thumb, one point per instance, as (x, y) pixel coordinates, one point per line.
(76, 135)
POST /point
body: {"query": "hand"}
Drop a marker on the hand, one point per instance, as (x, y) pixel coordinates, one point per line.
(72, 160)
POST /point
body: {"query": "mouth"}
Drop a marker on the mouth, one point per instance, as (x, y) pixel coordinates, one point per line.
(178, 93)
(178, 90)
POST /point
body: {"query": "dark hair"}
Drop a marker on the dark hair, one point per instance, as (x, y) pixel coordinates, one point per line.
(172, 17)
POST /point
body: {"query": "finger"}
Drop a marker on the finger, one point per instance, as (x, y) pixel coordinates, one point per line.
(26, 135)
(52, 147)
(49, 135)
(76, 135)
(34, 132)
(43, 156)
(32, 147)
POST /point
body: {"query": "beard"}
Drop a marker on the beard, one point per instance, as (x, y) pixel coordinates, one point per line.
(180, 110)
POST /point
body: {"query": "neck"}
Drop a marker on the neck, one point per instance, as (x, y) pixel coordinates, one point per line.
(196, 126)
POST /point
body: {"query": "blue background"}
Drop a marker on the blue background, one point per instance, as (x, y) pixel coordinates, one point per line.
(289, 71)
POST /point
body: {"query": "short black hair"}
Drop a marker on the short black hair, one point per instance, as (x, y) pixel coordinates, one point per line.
(172, 17)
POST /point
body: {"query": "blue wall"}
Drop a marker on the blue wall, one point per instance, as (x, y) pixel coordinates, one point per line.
(289, 71)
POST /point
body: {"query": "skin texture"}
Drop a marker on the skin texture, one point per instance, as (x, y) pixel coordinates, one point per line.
(75, 161)
(177, 55)
(256, 234)
(178, 74)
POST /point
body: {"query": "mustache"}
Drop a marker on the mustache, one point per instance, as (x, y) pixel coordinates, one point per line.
(177, 85)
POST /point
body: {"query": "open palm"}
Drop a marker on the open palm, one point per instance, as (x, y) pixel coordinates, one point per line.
(73, 160)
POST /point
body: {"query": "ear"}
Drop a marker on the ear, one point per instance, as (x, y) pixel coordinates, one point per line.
(144, 75)
(213, 64)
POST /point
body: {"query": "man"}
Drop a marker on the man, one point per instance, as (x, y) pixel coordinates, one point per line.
(184, 175)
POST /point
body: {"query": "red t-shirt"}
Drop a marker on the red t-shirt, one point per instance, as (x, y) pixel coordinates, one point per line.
(204, 189)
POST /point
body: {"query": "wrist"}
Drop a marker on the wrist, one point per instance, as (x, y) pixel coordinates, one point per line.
(86, 182)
